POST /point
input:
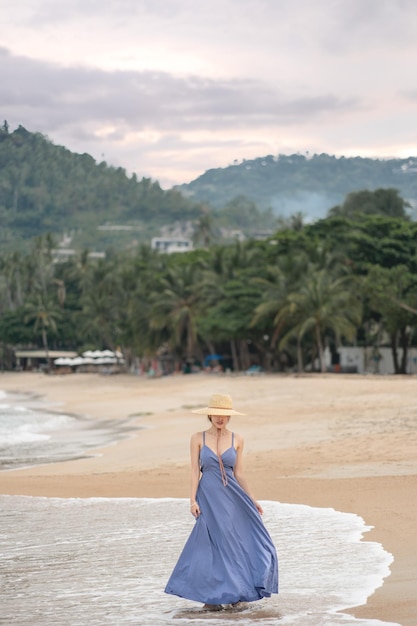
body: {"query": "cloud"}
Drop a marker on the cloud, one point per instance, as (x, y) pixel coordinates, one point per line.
(411, 96)
(45, 12)
(172, 88)
(144, 99)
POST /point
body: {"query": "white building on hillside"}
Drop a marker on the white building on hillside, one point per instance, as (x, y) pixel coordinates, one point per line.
(171, 244)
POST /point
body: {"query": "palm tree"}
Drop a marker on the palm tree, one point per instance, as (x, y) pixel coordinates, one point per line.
(175, 306)
(138, 278)
(268, 312)
(276, 308)
(102, 303)
(44, 314)
(229, 297)
(391, 293)
(324, 302)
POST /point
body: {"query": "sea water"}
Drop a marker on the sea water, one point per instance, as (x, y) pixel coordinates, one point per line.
(32, 434)
(72, 562)
(98, 561)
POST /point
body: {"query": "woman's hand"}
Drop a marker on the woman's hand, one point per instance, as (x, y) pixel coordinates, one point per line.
(260, 509)
(195, 510)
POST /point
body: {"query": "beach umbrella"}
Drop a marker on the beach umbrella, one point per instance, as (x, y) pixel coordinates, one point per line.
(62, 361)
(78, 360)
(106, 360)
(107, 353)
(100, 354)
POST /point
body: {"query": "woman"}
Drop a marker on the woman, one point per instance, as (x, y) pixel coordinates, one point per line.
(229, 556)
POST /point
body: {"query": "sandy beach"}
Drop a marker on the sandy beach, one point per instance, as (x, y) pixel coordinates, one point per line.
(339, 441)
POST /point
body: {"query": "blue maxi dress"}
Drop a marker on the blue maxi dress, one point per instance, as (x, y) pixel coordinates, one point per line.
(229, 556)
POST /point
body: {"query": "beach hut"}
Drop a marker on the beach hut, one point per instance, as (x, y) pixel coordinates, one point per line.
(38, 359)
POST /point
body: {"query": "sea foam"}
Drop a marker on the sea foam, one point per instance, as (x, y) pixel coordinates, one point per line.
(106, 561)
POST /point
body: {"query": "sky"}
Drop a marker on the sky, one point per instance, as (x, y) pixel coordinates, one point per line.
(168, 89)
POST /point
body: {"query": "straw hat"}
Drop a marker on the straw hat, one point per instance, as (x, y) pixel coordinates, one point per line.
(219, 404)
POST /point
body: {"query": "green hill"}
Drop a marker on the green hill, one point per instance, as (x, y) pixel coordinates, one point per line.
(47, 188)
(297, 183)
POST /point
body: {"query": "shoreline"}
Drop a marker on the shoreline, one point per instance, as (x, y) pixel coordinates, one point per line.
(345, 442)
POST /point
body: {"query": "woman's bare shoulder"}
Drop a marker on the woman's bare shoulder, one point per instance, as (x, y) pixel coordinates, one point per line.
(239, 439)
(197, 437)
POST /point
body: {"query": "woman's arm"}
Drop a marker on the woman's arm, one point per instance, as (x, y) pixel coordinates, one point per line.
(238, 471)
(195, 445)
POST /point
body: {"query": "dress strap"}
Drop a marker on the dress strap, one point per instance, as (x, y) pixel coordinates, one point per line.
(204, 437)
(233, 440)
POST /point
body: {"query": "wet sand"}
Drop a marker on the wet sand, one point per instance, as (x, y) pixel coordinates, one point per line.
(346, 442)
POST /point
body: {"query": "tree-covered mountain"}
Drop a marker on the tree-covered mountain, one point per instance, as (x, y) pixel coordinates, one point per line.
(298, 183)
(47, 188)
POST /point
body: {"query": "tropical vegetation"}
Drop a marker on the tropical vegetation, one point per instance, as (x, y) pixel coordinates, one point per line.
(349, 279)
(307, 183)
(256, 289)
(45, 188)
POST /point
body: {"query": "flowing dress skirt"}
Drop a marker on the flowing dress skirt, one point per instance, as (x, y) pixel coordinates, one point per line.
(229, 556)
